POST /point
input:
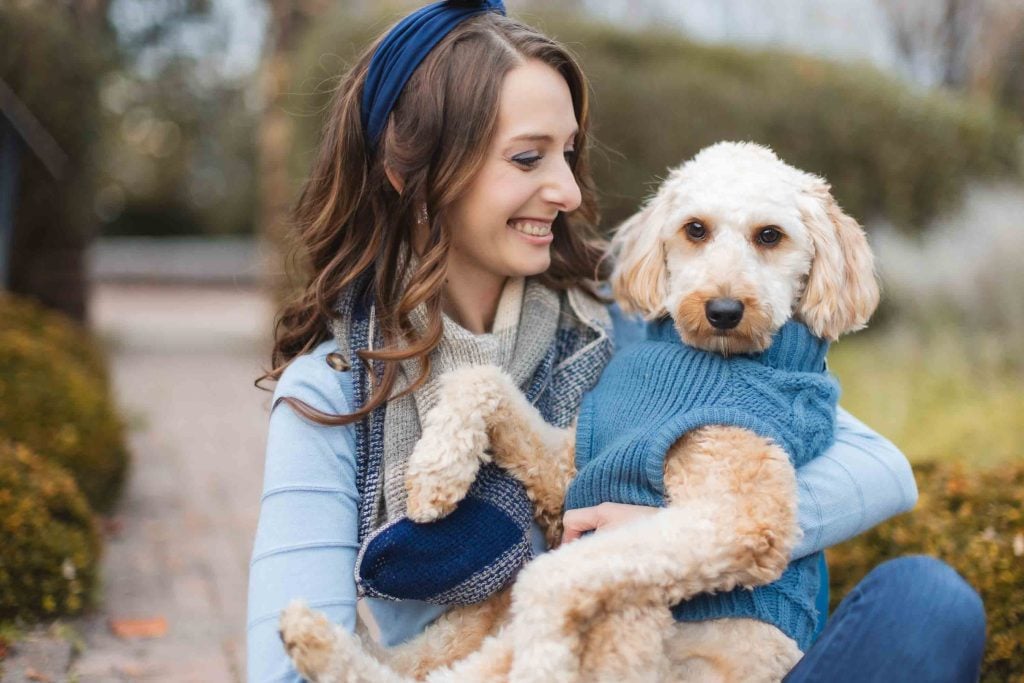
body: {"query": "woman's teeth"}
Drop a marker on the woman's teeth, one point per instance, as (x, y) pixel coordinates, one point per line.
(529, 228)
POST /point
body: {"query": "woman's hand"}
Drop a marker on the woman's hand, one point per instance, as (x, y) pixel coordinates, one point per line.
(603, 516)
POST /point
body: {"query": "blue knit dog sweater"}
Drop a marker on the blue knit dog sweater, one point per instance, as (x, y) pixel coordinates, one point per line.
(660, 389)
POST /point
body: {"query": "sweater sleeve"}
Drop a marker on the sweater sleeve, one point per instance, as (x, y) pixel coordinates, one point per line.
(859, 482)
(307, 536)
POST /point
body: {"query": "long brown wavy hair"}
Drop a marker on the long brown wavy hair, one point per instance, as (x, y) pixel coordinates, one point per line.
(350, 220)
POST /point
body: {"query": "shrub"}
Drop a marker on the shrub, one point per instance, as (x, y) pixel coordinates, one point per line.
(54, 329)
(51, 544)
(974, 521)
(52, 404)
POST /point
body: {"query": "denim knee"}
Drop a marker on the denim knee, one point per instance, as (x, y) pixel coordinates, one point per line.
(928, 594)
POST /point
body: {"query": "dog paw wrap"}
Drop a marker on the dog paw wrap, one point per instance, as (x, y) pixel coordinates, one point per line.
(460, 559)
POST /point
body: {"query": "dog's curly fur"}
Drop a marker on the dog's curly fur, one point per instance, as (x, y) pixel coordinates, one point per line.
(597, 609)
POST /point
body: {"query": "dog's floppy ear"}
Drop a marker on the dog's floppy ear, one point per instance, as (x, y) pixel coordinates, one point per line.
(638, 278)
(842, 288)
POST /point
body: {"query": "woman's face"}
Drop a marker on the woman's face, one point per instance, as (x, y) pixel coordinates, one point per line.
(501, 227)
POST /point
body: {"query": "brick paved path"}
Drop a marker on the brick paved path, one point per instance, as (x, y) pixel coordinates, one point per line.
(183, 362)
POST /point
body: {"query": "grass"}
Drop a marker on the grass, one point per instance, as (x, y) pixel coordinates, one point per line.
(941, 396)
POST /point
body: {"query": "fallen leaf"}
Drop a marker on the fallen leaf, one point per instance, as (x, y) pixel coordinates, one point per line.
(34, 675)
(113, 526)
(131, 670)
(156, 627)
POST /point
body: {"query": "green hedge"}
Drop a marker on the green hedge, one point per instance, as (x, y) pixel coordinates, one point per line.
(51, 545)
(973, 520)
(659, 98)
(52, 400)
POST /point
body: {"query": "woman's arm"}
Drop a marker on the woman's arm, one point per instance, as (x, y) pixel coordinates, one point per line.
(307, 537)
(861, 481)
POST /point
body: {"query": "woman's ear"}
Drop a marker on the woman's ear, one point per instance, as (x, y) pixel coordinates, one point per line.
(396, 180)
(639, 278)
(842, 288)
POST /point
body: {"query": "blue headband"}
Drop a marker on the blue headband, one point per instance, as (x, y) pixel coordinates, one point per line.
(402, 50)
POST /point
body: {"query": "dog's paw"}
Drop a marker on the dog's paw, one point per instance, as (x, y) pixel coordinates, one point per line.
(308, 639)
(433, 495)
(442, 468)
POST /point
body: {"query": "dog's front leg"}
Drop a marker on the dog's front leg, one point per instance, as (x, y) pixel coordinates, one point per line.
(731, 522)
(754, 485)
(477, 408)
(454, 441)
(536, 453)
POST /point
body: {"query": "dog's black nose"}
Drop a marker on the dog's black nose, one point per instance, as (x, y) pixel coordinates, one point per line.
(724, 314)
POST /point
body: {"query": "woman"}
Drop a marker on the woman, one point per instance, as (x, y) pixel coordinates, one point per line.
(450, 219)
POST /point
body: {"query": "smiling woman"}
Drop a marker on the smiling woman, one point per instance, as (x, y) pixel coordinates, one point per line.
(449, 221)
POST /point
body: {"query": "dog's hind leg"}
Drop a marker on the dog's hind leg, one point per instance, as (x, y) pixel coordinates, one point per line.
(627, 645)
(324, 652)
(321, 649)
(730, 651)
(455, 635)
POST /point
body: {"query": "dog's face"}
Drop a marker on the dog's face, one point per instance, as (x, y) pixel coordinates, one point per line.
(734, 243)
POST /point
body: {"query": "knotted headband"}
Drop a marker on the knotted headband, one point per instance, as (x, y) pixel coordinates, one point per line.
(403, 49)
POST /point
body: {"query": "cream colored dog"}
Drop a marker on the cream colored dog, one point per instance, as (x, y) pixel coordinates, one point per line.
(734, 243)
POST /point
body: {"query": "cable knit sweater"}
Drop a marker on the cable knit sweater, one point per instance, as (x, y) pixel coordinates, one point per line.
(660, 389)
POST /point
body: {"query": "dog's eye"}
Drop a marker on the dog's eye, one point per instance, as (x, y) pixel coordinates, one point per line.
(769, 236)
(695, 230)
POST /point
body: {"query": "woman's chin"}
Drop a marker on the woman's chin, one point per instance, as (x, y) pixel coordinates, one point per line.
(531, 267)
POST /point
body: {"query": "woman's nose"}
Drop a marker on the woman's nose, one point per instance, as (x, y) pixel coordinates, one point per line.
(562, 190)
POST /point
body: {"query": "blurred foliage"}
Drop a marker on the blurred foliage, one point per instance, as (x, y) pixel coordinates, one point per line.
(178, 155)
(53, 65)
(888, 152)
(54, 330)
(51, 56)
(941, 395)
(52, 401)
(659, 98)
(974, 521)
(51, 544)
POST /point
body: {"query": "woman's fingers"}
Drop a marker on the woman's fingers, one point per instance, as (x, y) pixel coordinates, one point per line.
(606, 515)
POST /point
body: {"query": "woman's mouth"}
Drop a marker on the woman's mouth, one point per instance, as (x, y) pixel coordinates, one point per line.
(536, 232)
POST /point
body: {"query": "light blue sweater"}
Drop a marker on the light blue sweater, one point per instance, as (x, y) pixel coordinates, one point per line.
(306, 540)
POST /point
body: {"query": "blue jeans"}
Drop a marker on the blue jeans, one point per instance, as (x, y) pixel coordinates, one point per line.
(910, 619)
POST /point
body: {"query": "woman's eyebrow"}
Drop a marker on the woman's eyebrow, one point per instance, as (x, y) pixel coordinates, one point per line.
(539, 137)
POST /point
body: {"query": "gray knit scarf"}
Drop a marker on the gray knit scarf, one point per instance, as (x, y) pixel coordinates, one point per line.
(525, 328)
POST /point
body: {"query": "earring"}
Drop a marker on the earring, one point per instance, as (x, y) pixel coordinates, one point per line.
(423, 217)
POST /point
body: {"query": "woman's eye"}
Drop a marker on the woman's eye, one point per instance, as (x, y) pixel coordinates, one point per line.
(695, 230)
(528, 160)
(769, 236)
